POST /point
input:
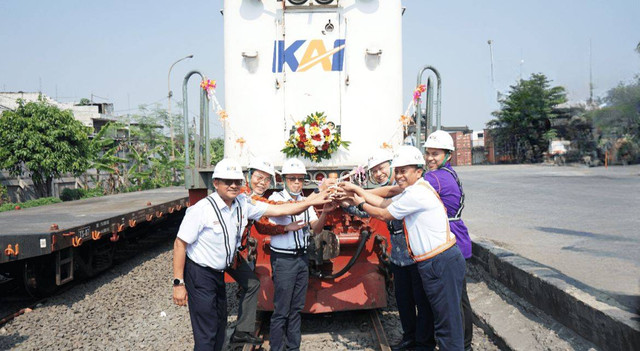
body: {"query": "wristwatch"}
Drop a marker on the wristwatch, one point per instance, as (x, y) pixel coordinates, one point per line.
(178, 281)
(361, 206)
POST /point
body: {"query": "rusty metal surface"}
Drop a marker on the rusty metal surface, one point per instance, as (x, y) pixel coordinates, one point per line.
(379, 331)
(75, 213)
(45, 229)
(362, 287)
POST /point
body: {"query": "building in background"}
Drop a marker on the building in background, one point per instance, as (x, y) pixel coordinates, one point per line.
(94, 115)
(462, 142)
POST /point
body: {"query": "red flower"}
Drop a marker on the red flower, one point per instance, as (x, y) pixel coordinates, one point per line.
(325, 146)
(326, 131)
(301, 130)
(314, 124)
(300, 145)
(303, 138)
(317, 137)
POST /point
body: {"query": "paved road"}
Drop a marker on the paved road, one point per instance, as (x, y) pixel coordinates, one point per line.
(584, 222)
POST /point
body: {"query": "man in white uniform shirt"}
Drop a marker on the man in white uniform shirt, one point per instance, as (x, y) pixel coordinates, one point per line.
(289, 260)
(206, 245)
(429, 241)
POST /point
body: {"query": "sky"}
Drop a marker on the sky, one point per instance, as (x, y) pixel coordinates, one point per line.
(121, 51)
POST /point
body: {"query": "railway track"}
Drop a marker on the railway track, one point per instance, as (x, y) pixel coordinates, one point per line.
(343, 330)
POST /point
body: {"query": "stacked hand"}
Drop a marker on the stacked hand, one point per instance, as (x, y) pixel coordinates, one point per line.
(293, 226)
(346, 194)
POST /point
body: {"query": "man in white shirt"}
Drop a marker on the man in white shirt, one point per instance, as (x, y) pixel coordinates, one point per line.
(206, 245)
(289, 260)
(429, 241)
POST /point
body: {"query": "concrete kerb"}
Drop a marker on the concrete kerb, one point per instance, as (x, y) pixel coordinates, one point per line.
(606, 325)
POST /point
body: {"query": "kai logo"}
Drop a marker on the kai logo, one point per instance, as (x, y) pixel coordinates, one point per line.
(315, 53)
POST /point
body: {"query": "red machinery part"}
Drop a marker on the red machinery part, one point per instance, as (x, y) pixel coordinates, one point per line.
(363, 286)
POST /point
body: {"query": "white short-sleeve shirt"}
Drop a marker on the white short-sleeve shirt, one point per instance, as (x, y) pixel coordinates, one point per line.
(291, 240)
(203, 230)
(424, 216)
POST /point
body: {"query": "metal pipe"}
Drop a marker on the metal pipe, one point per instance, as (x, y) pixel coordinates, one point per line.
(429, 108)
(185, 115)
(438, 101)
(169, 95)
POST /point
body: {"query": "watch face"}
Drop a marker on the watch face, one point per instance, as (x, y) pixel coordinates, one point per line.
(176, 281)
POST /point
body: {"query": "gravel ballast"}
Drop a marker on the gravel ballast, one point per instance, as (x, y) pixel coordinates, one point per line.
(130, 307)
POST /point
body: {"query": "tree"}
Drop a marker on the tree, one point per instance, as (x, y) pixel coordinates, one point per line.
(521, 127)
(84, 102)
(104, 149)
(618, 122)
(44, 141)
(217, 150)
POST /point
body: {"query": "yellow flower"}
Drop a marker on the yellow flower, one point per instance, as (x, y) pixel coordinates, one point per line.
(223, 115)
(298, 124)
(314, 130)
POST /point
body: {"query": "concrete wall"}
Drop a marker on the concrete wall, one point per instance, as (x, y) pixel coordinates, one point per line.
(20, 189)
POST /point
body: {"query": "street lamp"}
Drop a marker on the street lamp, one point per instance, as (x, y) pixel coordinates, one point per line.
(169, 95)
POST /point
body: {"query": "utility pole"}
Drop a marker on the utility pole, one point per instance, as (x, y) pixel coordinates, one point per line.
(493, 83)
(521, 63)
(591, 76)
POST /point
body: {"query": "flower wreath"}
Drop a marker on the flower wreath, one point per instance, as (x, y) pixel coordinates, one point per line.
(314, 138)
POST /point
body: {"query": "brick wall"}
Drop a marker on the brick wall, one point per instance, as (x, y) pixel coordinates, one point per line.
(462, 155)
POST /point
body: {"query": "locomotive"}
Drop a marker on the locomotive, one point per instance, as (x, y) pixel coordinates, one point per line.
(284, 60)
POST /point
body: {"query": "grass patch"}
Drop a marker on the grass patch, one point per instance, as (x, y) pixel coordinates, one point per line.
(31, 203)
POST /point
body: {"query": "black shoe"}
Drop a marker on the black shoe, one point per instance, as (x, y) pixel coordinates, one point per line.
(403, 345)
(239, 337)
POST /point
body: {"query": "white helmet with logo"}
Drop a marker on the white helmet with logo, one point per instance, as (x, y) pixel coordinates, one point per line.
(293, 166)
(407, 155)
(440, 140)
(262, 164)
(378, 157)
(227, 169)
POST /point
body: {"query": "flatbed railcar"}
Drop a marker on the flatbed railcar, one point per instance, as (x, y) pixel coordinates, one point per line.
(47, 246)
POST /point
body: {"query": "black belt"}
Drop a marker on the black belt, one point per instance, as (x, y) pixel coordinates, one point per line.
(292, 252)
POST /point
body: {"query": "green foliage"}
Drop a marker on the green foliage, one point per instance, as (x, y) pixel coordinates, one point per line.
(4, 194)
(44, 141)
(521, 125)
(72, 194)
(84, 102)
(618, 122)
(217, 150)
(31, 203)
(621, 115)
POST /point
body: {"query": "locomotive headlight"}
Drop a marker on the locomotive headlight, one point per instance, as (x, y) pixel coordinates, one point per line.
(345, 176)
(319, 176)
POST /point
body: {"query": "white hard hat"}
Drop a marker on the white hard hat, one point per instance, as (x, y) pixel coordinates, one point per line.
(380, 156)
(262, 164)
(440, 140)
(293, 166)
(227, 169)
(407, 155)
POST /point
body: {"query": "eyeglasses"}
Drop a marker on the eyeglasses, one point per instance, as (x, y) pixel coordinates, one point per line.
(293, 179)
(265, 180)
(229, 182)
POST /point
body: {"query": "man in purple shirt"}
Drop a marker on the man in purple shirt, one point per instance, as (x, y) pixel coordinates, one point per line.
(445, 181)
